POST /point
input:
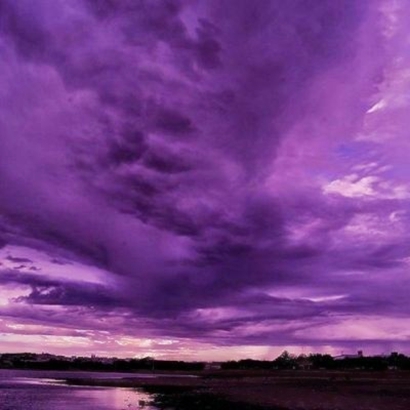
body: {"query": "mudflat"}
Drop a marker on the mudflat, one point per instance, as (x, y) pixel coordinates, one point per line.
(290, 390)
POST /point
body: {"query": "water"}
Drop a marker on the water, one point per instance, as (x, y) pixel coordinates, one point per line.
(38, 390)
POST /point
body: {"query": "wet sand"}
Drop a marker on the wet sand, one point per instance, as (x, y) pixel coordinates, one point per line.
(290, 390)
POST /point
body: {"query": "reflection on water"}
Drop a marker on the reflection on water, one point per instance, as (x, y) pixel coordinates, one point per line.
(32, 380)
(22, 390)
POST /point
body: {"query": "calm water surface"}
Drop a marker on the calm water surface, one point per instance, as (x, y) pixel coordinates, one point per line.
(38, 390)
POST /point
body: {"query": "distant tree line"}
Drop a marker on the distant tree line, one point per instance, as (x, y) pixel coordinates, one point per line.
(30, 361)
(287, 361)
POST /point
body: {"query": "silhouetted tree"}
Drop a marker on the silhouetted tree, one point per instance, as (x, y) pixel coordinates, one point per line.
(286, 361)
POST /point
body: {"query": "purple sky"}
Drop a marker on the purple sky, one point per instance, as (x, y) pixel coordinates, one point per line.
(204, 179)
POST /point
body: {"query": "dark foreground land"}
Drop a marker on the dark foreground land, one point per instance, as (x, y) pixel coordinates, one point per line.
(281, 390)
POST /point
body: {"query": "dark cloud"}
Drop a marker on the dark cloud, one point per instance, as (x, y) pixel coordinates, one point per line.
(166, 164)
(17, 259)
(130, 147)
(57, 261)
(68, 295)
(200, 154)
(172, 122)
(3, 243)
(48, 291)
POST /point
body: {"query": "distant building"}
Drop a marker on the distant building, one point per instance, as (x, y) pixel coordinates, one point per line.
(213, 366)
(349, 356)
(304, 363)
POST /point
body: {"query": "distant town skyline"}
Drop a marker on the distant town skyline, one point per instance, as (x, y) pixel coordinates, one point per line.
(204, 180)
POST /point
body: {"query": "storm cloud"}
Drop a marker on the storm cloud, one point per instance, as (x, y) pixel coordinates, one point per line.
(226, 173)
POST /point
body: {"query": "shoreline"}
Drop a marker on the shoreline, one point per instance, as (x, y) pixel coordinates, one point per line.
(285, 390)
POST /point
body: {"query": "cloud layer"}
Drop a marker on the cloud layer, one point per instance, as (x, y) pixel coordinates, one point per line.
(217, 174)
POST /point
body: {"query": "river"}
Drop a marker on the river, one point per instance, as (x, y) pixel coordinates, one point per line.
(44, 390)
